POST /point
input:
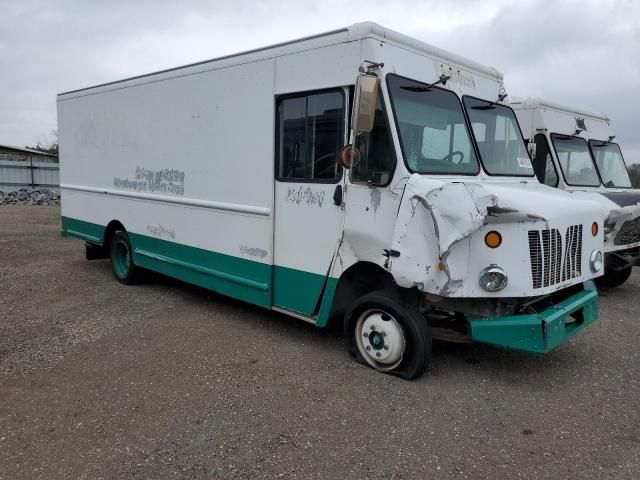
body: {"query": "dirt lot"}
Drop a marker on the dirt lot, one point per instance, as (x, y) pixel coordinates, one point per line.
(164, 380)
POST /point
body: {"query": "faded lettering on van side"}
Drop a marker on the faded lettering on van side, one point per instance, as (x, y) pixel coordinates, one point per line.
(161, 231)
(253, 251)
(304, 195)
(158, 181)
(463, 79)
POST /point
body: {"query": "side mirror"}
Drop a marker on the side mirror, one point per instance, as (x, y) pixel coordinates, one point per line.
(531, 146)
(364, 103)
(349, 156)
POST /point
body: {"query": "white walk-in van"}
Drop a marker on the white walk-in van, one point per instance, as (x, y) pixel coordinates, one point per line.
(335, 177)
(574, 150)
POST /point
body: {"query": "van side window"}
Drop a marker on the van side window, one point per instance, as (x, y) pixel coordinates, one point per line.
(377, 155)
(310, 133)
(543, 163)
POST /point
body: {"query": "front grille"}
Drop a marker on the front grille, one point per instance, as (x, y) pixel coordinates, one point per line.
(550, 262)
(629, 233)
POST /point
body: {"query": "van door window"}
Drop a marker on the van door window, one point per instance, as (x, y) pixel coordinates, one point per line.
(310, 133)
(543, 163)
(377, 155)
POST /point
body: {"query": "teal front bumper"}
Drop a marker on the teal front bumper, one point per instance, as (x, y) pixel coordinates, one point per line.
(538, 333)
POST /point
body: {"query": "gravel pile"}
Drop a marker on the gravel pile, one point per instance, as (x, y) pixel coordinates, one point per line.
(28, 196)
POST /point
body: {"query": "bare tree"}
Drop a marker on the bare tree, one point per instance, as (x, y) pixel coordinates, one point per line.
(47, 143)
(634, 173)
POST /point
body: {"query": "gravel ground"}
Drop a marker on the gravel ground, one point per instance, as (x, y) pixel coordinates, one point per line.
(164, 380)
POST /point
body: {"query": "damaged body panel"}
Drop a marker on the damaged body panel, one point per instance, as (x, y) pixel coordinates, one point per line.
(622, 223)
(539, 333)
(441, 226)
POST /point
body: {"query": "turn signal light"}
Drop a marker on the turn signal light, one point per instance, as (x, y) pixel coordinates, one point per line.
(594, 228)
(493, 239)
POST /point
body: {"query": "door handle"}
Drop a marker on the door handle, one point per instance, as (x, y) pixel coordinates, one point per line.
(337, 195)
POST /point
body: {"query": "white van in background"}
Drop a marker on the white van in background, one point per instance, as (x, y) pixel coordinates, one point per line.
(245, 176)
(574, 150)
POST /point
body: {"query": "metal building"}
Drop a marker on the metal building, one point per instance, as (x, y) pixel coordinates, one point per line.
(25, 167)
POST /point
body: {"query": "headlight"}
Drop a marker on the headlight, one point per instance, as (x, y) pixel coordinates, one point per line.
(493, 279)
(595, 261)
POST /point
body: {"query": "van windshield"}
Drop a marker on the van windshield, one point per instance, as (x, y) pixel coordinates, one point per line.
(610, 163)
(575, 160)
(432, 128)
(500, 143)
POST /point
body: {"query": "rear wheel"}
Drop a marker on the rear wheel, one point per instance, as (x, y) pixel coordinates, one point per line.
(122, 258)
(613, 278)
(388, 336)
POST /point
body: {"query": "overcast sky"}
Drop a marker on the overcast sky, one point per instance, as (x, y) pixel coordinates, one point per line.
(580, 53)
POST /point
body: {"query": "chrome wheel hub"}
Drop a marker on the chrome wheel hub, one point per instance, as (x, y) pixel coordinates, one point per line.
(380, 339)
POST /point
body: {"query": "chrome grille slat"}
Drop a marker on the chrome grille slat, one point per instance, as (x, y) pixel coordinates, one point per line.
(567, 258)
(546, 258)
(577, 246)
(535, 252)
(557, 256)
(550, 263)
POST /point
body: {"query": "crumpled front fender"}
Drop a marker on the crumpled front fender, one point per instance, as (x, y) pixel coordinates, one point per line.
(433, 217)
(437, 220)
(623, 207)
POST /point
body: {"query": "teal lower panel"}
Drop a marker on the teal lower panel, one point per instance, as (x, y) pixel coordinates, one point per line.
(327, 302)
(233, 276)
(539, 333)
(296, 290)
(91, 232)
(247, 280)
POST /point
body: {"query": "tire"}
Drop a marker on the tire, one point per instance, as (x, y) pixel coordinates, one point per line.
(377, 344)
(613, 278)
(121, 255)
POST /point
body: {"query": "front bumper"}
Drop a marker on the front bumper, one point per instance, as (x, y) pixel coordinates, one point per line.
(539, 333)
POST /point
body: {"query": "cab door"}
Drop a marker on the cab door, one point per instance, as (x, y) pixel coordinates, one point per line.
(310, 130)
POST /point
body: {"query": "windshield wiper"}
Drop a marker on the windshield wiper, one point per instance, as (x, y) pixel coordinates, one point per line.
(416, 89)
(604, 143)
(491, 105)
(442, 80)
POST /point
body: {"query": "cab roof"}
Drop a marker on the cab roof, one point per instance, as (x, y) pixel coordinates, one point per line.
(533, 103)
(355, 32)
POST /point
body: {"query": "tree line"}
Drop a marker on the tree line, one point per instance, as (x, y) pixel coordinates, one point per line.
(634, 173)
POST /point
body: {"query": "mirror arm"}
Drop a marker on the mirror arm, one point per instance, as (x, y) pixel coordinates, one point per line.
(371, 66)
(442, 80)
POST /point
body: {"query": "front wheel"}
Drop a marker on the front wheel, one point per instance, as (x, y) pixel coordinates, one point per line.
(122, 258)
(613, 278)
(388, 336)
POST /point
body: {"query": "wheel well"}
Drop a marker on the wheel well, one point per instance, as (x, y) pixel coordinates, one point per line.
(112, 228)
(358, 279)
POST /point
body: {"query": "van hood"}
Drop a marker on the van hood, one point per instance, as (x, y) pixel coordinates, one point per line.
(438, 241)
(460, 208)
(622, 219)
(623, 199)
